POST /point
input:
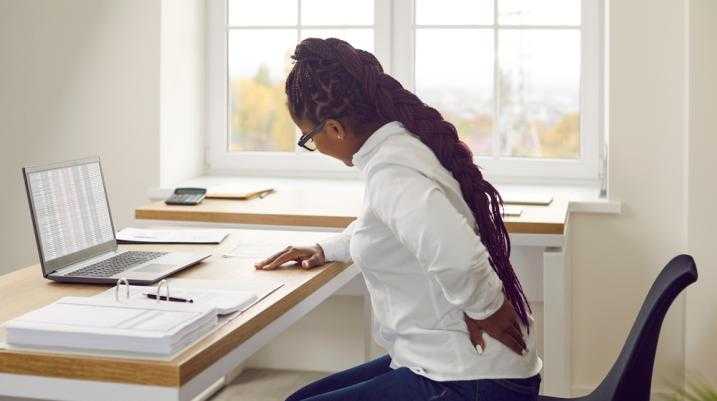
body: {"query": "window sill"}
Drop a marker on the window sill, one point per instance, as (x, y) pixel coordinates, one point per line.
(583, 199)
(599, 206)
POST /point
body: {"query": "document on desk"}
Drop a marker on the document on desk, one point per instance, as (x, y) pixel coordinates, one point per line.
(238, 191)
(136, 327)
(131, 235)
(528, 199)
(105, 324)
(226, 297)
(512, 211)
(252, 249)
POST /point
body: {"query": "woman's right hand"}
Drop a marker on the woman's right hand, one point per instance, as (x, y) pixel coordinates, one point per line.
(503, 325)
(306, 257)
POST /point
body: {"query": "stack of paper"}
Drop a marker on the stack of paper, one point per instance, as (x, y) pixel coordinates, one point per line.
(135, 325)
(104, 324)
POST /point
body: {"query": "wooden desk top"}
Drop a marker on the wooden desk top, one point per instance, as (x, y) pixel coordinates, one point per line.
(26, 289)
(327, 207)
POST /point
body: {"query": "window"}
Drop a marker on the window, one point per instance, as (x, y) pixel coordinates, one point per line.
(520, 79)
(261, 35)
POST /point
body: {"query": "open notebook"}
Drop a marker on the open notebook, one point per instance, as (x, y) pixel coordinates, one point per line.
(223, 301)
(131, 324)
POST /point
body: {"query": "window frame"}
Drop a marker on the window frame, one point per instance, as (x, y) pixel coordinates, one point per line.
(394, 46)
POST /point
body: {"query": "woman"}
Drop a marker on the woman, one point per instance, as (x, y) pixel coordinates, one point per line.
(435, 284)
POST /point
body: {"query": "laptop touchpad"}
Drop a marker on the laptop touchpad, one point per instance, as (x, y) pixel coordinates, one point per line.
(153, 268)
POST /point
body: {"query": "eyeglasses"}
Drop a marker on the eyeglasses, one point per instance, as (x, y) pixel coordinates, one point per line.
(306, 140)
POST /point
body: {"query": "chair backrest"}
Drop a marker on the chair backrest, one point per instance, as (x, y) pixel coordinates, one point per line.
(631, 376)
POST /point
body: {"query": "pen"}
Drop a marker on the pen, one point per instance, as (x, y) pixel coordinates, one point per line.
(171, 299)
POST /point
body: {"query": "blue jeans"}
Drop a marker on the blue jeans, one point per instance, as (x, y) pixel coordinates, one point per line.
(376, 381)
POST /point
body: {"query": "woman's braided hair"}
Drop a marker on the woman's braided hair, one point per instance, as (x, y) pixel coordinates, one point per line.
(331, 79)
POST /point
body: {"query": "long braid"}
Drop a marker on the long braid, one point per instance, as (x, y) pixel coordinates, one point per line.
(331, 79)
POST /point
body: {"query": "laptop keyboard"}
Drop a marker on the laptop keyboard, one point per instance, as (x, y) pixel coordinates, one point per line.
(116, 264)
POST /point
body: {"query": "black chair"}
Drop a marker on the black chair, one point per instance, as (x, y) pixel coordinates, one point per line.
(631, 376)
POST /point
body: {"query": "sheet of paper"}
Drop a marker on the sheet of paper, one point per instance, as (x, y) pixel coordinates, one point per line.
(203, 291)
(106, 316)
(526, 199)
(173, 236)
(252, 249)
(224, 301)
(512, 210)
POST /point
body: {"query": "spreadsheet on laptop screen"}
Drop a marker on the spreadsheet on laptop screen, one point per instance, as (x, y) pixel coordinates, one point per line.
(71, 209)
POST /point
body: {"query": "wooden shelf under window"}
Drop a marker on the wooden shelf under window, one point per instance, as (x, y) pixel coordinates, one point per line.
(296, 205)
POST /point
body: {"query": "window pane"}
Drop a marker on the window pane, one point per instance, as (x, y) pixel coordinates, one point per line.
(264, 12)
(458, 84)
(258, 65)
(358, 38)
(454, 12)
(337, 12)
(539, 93)
(544, 12)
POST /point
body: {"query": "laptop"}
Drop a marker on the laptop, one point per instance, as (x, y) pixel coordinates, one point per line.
(75, 234)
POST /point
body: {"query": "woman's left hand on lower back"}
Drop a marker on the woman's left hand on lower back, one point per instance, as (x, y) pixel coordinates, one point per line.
(503, 325)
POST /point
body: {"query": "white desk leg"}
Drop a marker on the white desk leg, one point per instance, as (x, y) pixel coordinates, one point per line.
(557, 327)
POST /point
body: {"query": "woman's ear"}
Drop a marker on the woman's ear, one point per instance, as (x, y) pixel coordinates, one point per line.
(335, 129)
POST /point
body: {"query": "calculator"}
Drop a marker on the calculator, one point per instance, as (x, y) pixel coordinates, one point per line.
(187, 196)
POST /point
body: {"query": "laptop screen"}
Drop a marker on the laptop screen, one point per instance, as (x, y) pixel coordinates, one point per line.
(70, 211)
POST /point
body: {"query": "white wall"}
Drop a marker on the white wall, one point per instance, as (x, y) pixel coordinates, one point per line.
(77, 78)
(663, 136)
(182, 83)
(701, 319)
(616, 258)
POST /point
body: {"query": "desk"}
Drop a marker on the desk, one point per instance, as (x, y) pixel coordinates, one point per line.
(307, 207)
(76, 377)
(327, 204)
